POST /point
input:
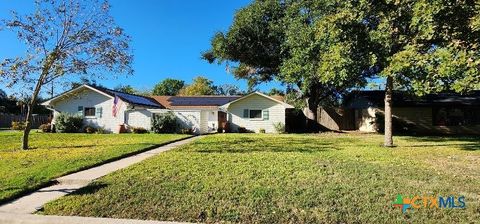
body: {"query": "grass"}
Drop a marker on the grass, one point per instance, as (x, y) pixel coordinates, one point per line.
(251, 178)
(54, 155)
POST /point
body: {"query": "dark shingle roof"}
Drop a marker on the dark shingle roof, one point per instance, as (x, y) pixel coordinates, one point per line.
(364, 99)
(131, 98)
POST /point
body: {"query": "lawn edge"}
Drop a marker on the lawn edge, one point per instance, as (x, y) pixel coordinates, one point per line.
(53, 181)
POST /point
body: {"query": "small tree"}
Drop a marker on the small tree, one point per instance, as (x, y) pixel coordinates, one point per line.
(200, 86)
(168, 87)
(64, 38)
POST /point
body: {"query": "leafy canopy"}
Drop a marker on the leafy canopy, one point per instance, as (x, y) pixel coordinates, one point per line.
(200, 86)
(316, 46)
(65, 37)
(168, 87)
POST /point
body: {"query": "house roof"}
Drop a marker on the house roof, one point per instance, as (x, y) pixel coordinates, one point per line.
(278, 99)
(126, 97)
(369, 98)
(194, 102)
(169, 102)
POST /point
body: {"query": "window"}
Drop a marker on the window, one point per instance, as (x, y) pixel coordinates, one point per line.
(256, 114)
(456, 116)
(89, 112)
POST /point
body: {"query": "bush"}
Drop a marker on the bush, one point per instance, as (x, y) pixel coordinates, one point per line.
(45, 128)
(261, 130)
(139, 130)
(18, 125)
(279, 127)
(89, 130)
(67, 123)
(244, 130)
(101, 130)
(187, 131)
(164, 123)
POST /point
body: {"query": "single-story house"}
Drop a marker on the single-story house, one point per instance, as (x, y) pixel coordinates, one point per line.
(106, 108)
(444, 113)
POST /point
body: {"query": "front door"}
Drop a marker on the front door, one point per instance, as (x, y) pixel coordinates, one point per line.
(222, 119)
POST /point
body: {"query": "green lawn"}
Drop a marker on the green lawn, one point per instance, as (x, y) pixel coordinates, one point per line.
(53, 155)
(252, 178)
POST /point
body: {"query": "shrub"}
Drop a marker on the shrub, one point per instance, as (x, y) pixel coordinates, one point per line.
(261, 130)
(67, 123)
(18, 125)
(279, 127)
(45, 128)
(139, 130)
(90, 130)
(187, 131)
(164, 123)
(101, 130)
(244, 130)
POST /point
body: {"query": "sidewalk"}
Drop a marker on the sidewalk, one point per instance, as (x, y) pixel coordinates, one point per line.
(70, 183)
(11, 218)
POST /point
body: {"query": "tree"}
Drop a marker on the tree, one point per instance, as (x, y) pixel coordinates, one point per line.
(229, 90)
(84, 81)
(168, 87)
(64, 38)
(276, 92)
(423, 46)
(3, 94)
(126, 89)
(290, 41)
(200, 86)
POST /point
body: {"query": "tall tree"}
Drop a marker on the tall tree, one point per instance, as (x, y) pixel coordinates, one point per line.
(200, 86)
(228, 90)
(126, 89)
(168, 87)
(275, 91)
(289, 41)
(64, 38)
(423, 46)
(3, 94)
(84, 81)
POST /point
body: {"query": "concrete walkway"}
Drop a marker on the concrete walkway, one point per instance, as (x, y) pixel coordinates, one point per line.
(70, 183)
(11, 218)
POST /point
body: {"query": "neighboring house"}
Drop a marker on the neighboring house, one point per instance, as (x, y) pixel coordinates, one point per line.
(109, 109)
(445, 113)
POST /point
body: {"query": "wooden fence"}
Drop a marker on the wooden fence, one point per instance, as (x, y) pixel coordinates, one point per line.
(37, 119)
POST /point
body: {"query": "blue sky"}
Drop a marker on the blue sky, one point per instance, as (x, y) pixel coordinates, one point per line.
(168, 37)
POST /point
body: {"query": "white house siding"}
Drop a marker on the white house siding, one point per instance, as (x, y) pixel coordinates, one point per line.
(255, 102)
(139, 118)
(90, 98)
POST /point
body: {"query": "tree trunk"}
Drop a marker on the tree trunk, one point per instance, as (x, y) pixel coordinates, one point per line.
(312, 114)
(388, 113)
(50, 60)
(28, 127)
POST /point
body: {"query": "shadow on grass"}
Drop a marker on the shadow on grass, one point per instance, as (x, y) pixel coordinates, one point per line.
(470, 143)
(251, 146)
(90, 189)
